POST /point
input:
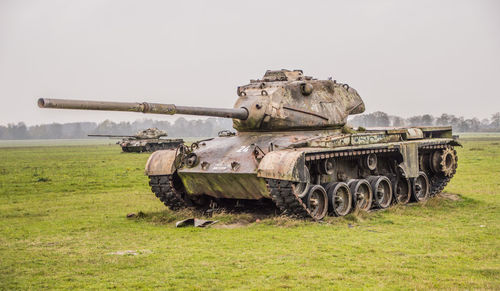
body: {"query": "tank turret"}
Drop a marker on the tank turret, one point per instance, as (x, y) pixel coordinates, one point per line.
(150, 133)
(285, 100)
(281, 100)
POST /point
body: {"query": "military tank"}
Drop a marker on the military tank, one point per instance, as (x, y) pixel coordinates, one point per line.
(147, 140)
(293, 149)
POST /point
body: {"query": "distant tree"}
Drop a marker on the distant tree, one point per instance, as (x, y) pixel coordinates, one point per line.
(474, 124)
(398, 121)
(4, 132)
(495, 121)
(56, 130)
(78, 131)
(415, 120)
(381, 119)
(18, 131)
(458, 124)
(427, 120)
(444, 119)
(105, 127)
(485, 125)
(455, 121)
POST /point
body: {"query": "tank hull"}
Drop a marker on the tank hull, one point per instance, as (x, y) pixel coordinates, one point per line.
(149, 145)
(217, 173)
(247, 165)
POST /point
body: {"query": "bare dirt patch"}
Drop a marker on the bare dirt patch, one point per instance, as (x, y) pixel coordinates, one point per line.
(230, 226)
(130, 252)
(476, 149)
(450, 196)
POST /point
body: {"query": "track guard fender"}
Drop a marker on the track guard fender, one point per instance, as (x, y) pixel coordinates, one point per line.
(161, 163)
(410, 164)
(283, 165)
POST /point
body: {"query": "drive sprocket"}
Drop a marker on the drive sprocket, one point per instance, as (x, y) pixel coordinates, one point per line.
(444, 162)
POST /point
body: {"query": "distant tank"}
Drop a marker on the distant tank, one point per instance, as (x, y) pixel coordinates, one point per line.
(148, 140)
(294, 150)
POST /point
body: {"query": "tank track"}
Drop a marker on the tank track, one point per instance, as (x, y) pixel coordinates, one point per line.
(163, 188)
(284, 198)
(281, 191)
(439, 182)
(290, 204)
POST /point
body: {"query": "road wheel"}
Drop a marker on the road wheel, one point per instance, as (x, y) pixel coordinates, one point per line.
(382, 191)
(361, 194)
(401, 190)
(340, 198)
(317, 202)
(420, 191)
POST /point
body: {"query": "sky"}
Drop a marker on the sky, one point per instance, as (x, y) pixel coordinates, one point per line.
(403, 57)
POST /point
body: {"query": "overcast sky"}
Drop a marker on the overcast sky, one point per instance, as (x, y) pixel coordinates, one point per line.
(403, 57)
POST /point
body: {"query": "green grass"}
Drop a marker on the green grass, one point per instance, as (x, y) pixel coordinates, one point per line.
(63, 215)
(56, 142)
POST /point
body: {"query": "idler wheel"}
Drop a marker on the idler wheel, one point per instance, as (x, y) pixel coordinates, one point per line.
(340, 198)
(302, 188)
(382, 191)
(317, 202)
(420, 191)
(401, 190)
(361, 194)
(444, 162)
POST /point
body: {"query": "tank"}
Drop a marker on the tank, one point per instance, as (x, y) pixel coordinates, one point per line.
(293, 150)
(147, 140)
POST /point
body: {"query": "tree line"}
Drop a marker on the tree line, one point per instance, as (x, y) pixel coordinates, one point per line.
(78, 130)
(182, 127)
(459, 124)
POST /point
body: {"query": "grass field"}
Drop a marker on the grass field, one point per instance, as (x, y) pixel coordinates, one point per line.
(63, 225)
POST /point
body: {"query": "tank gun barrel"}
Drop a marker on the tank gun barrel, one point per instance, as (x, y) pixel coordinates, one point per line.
(109, 135)
(144, 107)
